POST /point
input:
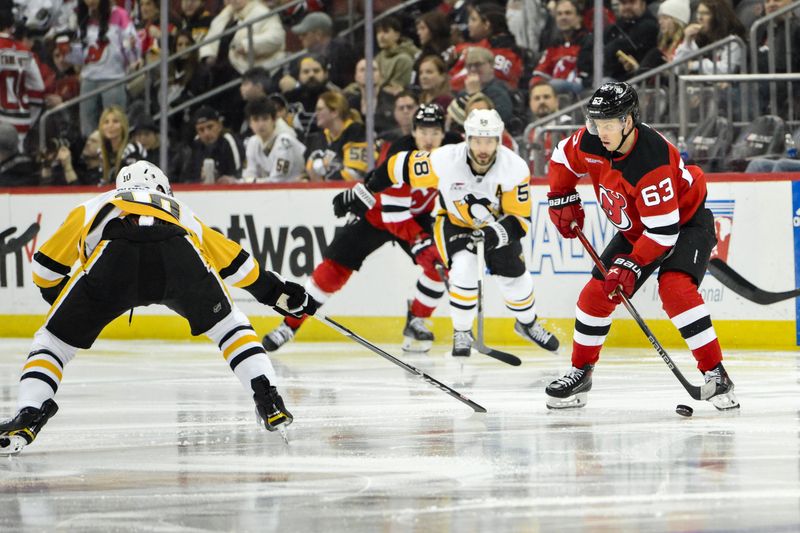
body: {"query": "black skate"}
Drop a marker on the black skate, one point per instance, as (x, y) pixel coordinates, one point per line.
(462, 343)
(536, 333)
(572, 390)
(269, 405)
(416, 335)
(277, 337)
(18, 432)
(724, 399)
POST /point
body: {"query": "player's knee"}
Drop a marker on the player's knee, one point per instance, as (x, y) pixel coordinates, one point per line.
(331, 276)
(464, 269)
(674, 283)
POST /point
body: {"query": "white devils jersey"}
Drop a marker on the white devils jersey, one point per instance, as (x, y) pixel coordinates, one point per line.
(465, 197)
(281, 160)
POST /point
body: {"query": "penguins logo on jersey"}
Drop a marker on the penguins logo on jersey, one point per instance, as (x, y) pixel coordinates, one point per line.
(613, 205)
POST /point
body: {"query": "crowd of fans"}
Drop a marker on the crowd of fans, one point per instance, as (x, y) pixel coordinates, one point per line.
(303, 119)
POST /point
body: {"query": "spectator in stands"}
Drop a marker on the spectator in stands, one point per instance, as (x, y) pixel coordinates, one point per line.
(433, 32)
(194, 19)
(149, 25)
(559, 62)
(273, 154)
(146, 132)
(405, 106)
(16, 169)
(538, 143)
(66, 85)
(302, 98)
(342, 153)
(527, 20)
(109, 48)
(22, 92)
(778, 48)
(316, 35)
(396, 58)
(481, 78)
(88, 168)
(217, 154)
(384, 101)
(634, 34)
(715, 21)
(189, 77)
(488, 29)
(116, 148)
(433, 83)
(673, 16)
(255, 84)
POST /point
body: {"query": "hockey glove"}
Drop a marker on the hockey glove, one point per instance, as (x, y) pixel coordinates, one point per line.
(425, 253)
(493, 235)
(621, 277)
(294, 300)
(564, 210)
(357, 200)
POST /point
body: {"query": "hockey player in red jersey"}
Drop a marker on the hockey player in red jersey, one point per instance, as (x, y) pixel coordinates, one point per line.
(658, 207)
(402, 216)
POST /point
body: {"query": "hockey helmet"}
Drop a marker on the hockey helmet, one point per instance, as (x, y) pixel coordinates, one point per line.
(143, 174)
(484, 123)
(429, 115)
(612, 100)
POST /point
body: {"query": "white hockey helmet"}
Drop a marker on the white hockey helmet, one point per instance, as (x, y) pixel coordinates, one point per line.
(143, 174)
(484, 123)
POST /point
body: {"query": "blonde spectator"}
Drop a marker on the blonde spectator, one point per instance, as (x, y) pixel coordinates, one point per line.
(115, 148)
(342, 153)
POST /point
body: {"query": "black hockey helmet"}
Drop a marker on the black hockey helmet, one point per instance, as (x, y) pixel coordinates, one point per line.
(429, 115)
(613, 100)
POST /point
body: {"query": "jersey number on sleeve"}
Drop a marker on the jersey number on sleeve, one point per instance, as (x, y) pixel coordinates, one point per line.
(655, 194)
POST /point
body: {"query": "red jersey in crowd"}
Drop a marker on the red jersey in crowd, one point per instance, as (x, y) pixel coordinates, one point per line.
(22, 87)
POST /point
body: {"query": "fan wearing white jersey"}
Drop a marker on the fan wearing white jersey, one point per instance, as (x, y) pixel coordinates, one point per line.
(482, 186)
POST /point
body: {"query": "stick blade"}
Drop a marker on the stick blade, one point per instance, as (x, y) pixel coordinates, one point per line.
(505, 357)
(738, 284)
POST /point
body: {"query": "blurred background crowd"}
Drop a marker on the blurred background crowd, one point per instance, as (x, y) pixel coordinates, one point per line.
(274, 90)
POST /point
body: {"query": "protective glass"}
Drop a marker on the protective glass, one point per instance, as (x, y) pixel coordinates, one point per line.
(609, 125)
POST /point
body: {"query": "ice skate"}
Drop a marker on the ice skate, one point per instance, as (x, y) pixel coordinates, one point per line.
(416, 335)
(277, 337)
(724, 399)
(462, 343)
(270, 410)
(20, 431)
(570, 391)
(536, 333)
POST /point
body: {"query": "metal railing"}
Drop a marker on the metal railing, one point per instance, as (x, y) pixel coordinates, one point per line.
(784, 14)
(147, 68)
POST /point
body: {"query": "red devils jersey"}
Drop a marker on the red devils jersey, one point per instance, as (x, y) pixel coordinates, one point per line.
(647, 193)
(507, 62)
(21, 85)
(396, 209)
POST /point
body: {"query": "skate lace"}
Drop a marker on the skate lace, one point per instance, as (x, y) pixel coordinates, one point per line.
(713, 375)
(540, 334)
(418, 324)
(462, 339)
(282, 334)
(572, 377)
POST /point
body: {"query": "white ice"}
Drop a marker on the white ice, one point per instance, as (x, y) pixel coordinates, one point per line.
(156, 436)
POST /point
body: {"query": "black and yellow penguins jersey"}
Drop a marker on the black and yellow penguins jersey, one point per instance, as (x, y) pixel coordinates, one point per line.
(345, 156)
(80, 236)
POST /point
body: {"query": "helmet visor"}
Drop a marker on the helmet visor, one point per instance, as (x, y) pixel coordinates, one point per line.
(596, 126)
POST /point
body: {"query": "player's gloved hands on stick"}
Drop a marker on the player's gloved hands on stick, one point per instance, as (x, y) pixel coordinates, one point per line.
(493, 235)
(622, 276)
(294, 300)
(425, 253)
(566, 208)
(357, 200)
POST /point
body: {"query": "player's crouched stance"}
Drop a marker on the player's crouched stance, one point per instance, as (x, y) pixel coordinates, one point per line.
(658, 206)
(137, 246)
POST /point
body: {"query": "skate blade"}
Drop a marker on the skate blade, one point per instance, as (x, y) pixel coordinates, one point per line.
(284, 435)
(412, 345)
(572, 402)
(12, 445)
(725, 402)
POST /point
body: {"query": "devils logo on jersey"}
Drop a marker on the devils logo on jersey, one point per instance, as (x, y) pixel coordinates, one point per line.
(613, 205)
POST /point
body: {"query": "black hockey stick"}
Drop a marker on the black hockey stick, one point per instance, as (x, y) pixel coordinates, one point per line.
(480, 345)
(405, 366)
(703, 392)
(735, 282)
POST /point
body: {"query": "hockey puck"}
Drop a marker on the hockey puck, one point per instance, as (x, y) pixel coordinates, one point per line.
(684, 410)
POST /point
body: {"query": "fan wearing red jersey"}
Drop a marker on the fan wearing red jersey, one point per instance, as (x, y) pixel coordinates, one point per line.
(401, 216)
(22, 87)
(658, 207)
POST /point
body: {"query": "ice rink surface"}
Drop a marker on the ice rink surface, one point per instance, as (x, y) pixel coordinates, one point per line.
(155, 436)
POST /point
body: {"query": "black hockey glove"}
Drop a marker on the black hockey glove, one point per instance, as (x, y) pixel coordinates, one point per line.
(357, 200)
(295, 301)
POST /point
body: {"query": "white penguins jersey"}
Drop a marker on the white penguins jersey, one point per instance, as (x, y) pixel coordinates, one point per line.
(464, 196)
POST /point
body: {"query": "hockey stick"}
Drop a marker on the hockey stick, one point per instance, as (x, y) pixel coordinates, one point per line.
(405, 366)
(479, 344)
(735, 282)
(703, 392)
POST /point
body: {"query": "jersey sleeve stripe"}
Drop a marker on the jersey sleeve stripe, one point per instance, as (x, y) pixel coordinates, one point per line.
(396, 168)
(685, 174)
(399, 201)
(394, 208)
(672, 229)
(50, 265)
(656, 221)
(663, 240)
(235, 265)
(395, 218)
(559, 156)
